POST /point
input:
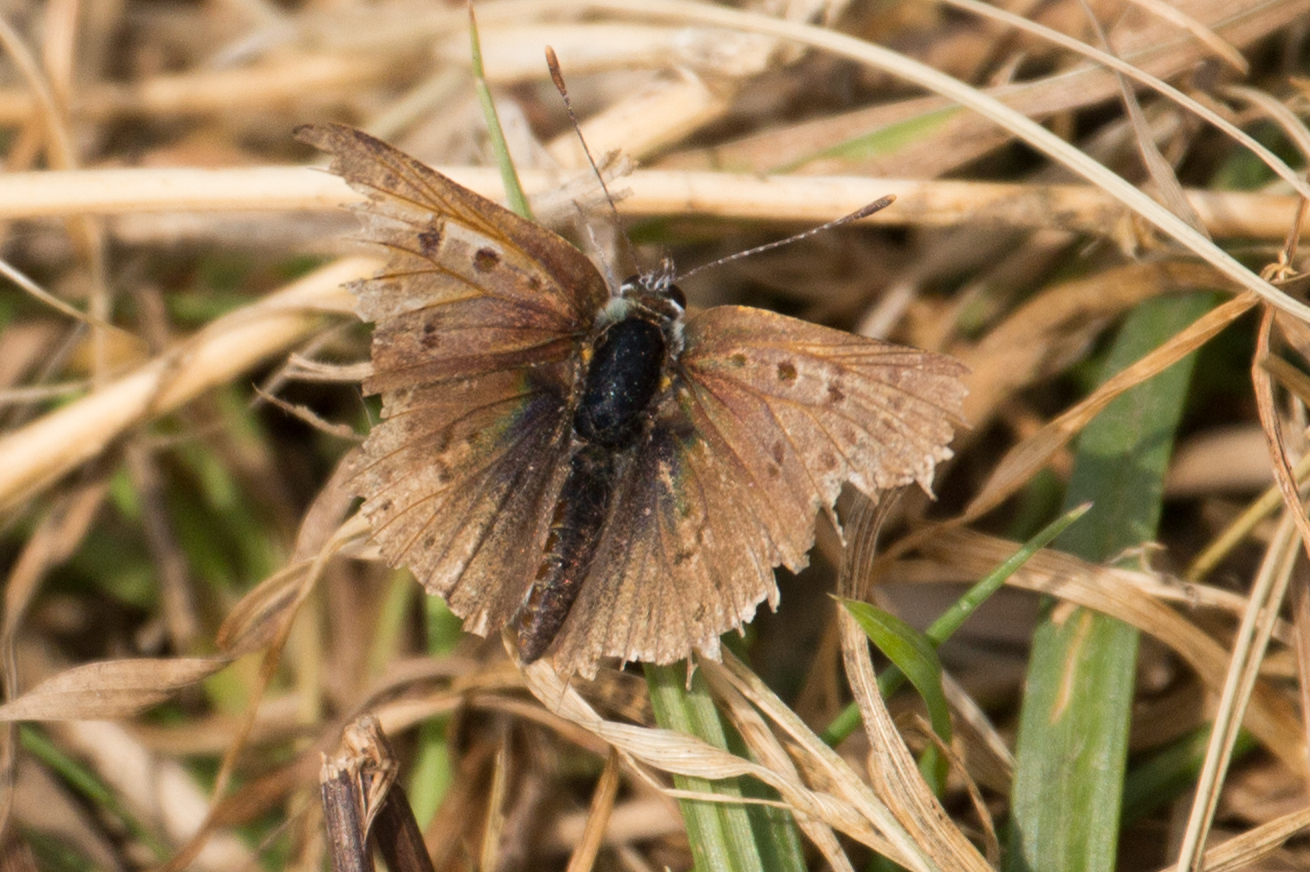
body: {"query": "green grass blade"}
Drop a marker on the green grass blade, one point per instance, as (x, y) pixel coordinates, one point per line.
(724, 836)
(432, 773)
(86, 783)
(915, 655)
(1073, 729)
(509, 177)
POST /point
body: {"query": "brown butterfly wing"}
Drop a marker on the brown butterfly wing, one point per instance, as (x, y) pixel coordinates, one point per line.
(766, 419)
(480, 316)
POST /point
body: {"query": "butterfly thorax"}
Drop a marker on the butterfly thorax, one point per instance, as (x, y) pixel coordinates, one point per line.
(637, 333)
(637, 336)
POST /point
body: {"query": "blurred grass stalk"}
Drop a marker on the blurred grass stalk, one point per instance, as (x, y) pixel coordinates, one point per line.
(725, 836)
(1073, 732)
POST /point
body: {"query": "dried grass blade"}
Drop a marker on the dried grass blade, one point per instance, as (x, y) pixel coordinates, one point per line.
(1217, 44)
(583, 858)
(1167, 186)
(1242, 525)
(892, 770)
(280, 621)
(822, 763)
(1022, 461)
(678, 753)
(21, 279)
(1267, 594)
(1078, 208)
(1129, 70)
(489, 857)
(735, 836)
(1247, 850)
(1033, 343)
(1015, 122)
(1266, 599)
(914, 656)
(766, 748)
(1291, 123)
(109, 689)
(35, 456)
(1081, 583)
(54, 540)
(1284, 475)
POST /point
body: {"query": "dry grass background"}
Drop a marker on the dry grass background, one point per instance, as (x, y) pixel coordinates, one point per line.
(178, 388)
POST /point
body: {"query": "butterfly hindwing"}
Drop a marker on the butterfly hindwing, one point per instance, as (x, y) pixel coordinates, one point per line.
(669, 572)
(460, 481)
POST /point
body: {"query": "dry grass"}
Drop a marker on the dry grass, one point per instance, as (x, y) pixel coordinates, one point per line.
(193, 613)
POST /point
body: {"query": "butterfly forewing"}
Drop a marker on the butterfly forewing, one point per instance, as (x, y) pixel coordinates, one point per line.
(448, 244)
(822, 406)
(766, 418)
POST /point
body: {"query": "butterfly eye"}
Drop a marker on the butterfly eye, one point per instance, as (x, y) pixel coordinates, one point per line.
(674, 293)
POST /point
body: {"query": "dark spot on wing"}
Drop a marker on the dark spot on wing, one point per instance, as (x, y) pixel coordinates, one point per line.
(430, 333)
(429, 241)
(835, 394)
(787, 372)
(486, 259)
(737, 359)
(779, 452)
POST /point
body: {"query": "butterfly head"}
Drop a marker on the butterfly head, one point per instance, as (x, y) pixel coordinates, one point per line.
(651, 296)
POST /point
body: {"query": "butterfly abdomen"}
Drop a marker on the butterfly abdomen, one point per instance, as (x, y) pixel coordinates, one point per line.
(625, 371)
(580, 513)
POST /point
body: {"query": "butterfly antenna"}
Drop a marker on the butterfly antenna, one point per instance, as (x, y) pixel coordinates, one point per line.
(552, 63)
(863, 212)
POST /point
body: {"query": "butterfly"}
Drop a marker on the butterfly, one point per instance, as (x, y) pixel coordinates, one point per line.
(594, 467)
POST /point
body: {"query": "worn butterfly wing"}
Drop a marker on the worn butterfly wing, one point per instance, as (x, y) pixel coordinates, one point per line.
(766, 418)
(479, 319)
